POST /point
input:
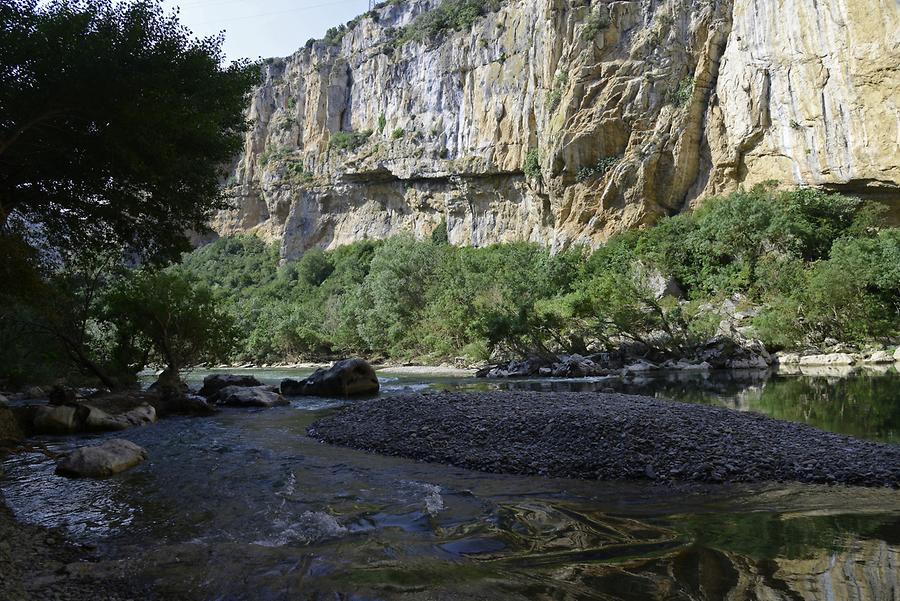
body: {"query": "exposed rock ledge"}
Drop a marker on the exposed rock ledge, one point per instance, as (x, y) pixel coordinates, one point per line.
(633, 109)
(606, 437)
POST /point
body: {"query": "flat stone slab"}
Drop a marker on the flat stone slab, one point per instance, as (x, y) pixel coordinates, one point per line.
(606, 437)
(242, 396)
(111, 457)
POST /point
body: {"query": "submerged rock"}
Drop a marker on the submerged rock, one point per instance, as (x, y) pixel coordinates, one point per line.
(346, 378)
(243, 396)
(111, 457)
(213, 383)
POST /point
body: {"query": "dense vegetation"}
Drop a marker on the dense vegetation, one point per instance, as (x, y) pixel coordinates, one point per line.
(95, 98)
(116, 124)
(820, 265)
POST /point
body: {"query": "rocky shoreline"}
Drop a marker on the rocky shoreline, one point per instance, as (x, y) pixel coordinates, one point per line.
(606, 437)
(38, 564)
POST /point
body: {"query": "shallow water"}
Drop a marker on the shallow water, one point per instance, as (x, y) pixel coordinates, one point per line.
(244, 506)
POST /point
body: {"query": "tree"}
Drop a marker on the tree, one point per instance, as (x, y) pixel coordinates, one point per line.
(176, 317)
(115, 123)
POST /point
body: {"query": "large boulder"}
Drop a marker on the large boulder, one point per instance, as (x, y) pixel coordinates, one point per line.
(213, 383)
(98, 420)
(346, 378)
(50, 419)
(897, 354)
(10, 429)
(107, 459)
(243, 396)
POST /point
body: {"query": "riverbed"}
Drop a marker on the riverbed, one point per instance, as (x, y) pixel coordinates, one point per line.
(243, 505)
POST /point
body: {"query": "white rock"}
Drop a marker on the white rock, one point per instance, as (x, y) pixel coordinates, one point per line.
(111, 457)
(641, 366)
(787, 359)
(829, 359)
(879, 357)
(897, 354)
(4, 402)
(827, 119)
(685, 366)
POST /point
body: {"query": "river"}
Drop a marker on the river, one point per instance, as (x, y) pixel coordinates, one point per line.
(243, 505)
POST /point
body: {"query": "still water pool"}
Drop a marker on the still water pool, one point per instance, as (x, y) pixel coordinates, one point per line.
(243, 505)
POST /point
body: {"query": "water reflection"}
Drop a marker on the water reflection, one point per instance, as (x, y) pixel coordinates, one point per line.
(244, 506)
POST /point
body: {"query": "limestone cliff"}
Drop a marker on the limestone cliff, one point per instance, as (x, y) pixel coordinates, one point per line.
(622, 111)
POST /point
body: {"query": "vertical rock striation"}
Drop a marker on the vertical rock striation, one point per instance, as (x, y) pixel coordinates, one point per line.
(634, 110)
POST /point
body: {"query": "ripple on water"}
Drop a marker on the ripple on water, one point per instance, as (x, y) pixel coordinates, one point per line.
(243, 505)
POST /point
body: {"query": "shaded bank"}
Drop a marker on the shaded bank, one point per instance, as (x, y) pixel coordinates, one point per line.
(606, 437)
(40, 563)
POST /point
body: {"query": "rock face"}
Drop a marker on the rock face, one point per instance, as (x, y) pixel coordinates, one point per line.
(346, 378)
(632, 110)
(107, 459)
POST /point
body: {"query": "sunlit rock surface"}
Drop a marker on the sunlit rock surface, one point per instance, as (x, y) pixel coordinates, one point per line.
(675, 101)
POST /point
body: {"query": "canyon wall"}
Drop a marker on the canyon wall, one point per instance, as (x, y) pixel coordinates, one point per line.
(564, 121)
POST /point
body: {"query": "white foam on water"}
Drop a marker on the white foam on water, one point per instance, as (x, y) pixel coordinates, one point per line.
(310, 527)
(434, 502)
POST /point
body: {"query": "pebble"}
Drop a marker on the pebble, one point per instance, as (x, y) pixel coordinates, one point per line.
(607, 437)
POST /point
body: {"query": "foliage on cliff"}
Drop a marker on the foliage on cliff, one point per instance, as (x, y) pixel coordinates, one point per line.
(820, 265)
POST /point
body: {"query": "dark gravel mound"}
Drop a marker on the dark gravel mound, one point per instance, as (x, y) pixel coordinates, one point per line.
(606, 437)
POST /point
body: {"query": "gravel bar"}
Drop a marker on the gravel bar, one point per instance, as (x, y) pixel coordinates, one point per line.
(605, 437)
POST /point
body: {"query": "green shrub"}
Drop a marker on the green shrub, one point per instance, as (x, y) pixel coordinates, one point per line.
(382, 122)
(532, 165)
(349, 140)
(681, 94)
(450, 15)
(273, 154)
(599, 169)
(398, 133)
(335, 34)
(820, 265)
(597, 21)
(295, 172)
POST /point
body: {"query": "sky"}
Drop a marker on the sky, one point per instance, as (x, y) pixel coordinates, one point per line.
(265, 28)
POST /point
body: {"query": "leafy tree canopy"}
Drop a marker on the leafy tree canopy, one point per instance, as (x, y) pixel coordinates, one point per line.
(115, 122)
